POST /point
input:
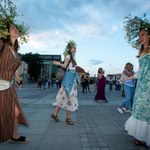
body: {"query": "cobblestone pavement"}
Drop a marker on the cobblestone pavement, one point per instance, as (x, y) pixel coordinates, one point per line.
(98, 125)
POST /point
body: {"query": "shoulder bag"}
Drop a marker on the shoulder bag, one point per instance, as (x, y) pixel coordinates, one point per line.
(61, 72)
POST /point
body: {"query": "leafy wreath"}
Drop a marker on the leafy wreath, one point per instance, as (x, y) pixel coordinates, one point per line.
(69, 45)
(7, 16)
(132, 27)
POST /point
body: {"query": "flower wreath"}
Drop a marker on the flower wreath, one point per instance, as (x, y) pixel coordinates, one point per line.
(69, 45)
(7, 16)
(132, 27)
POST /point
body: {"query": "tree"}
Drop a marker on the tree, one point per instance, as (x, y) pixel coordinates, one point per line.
(35, 64)
(8, 15)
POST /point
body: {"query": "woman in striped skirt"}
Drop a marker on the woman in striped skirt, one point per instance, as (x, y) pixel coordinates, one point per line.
(11, 113)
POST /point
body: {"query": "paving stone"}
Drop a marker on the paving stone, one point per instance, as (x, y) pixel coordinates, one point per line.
(98, 125)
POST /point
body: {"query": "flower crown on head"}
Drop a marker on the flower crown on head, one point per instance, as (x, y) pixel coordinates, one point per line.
(7, 16)
(132, 27)
(69, 45)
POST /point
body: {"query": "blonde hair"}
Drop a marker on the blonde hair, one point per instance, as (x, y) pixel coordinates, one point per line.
(69, 46)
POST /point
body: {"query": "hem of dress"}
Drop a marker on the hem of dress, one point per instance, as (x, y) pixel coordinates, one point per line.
(100, 99)
(55, 104)
(140, 130)
(67, 109)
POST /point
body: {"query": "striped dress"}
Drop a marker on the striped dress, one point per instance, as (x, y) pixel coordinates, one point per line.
(8, 98)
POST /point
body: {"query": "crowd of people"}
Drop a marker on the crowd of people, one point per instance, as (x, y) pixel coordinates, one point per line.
(136, 100)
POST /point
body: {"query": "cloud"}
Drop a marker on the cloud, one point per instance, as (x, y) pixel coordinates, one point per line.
(95, 62)
(50, 38)
(95, 25)
(88, 30)
(146, 7)
(75, 18)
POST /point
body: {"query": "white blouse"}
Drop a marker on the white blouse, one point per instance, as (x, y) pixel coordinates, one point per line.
(70, 66)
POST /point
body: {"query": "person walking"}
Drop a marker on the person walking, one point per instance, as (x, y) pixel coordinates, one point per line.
(87, 83)
(110, 83)
(66, 97)
(138, 124)
(100, 86)
(118, 83)
(11, 113)
(83, 82)
(129, 87)
(39, 83)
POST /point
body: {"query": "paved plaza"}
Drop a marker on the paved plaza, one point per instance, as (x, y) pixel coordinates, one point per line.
(98, 125)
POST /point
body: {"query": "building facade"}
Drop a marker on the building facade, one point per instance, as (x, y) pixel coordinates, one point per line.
(23, 71)
(49, 68)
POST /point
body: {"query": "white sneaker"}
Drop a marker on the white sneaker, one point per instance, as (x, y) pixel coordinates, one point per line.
(124, 108)
(129, 111)
(120, 110)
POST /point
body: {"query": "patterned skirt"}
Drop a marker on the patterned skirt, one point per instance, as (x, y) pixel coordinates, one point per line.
(69, 102)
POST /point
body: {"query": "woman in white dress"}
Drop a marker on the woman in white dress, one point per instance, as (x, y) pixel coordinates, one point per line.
(67, 95)
(138, 125)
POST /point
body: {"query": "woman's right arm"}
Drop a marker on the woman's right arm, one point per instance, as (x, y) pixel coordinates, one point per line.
(63, 65)
(129, 78)
(128, 74)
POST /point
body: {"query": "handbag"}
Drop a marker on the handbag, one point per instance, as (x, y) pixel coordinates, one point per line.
(4, 84)
(61, 72)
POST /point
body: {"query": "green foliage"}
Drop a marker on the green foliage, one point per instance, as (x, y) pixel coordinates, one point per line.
(69, 45)
(35, 64)
(8, 15)
(132, 26)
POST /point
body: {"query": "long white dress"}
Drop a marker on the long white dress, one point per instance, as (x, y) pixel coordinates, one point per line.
(138, 125)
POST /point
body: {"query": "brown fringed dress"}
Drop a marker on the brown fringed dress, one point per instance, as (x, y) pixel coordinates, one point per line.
(8, 98)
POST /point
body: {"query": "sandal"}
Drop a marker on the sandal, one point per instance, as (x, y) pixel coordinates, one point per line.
(55, 117)
(69, 121)
(139, 143)
(21, 139)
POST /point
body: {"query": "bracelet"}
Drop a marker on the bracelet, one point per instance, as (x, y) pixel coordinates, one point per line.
(19, 83)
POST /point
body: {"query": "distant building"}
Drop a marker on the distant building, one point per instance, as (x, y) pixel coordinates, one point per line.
(48, 67)
(23, 71)
(113, 76)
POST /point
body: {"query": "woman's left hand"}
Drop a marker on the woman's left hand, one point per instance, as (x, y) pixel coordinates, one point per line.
(56, 62)
(19, 85)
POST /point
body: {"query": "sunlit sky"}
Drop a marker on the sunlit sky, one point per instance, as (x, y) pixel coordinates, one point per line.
(95, 25)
